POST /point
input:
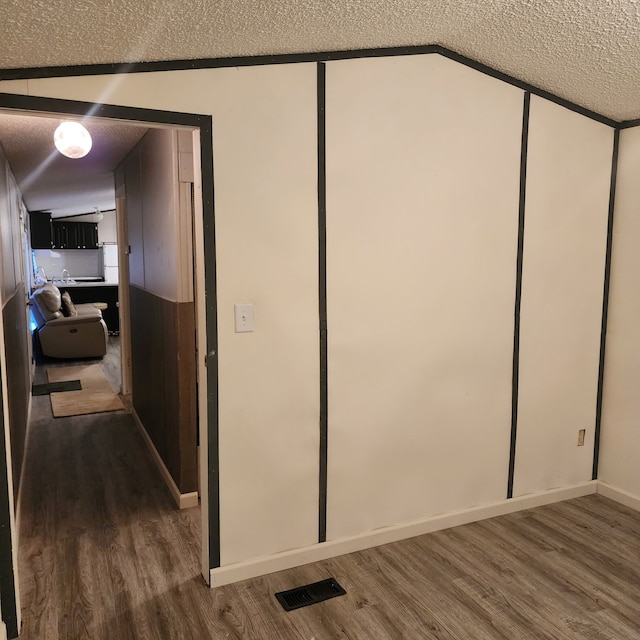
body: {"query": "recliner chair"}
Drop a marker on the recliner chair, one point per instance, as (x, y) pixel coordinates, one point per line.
(83, 335)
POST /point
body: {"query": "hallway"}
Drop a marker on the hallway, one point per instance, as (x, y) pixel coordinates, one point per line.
(99, 534)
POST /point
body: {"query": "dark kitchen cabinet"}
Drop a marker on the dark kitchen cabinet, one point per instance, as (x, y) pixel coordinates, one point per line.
(88, 235)
(70, 235)
(58, 236)
(48, 233)
(74, 235)
(41, 230)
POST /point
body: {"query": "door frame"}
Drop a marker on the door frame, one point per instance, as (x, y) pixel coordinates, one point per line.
(205, 299)
(123, 294)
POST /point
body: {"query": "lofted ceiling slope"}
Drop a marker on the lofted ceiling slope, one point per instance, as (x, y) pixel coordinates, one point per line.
(587, 51)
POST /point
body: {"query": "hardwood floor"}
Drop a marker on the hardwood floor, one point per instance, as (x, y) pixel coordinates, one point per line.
(105, 555)
(110, 364)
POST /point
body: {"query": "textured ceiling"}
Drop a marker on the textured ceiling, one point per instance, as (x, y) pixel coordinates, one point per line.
(587, 51)
(49, 181)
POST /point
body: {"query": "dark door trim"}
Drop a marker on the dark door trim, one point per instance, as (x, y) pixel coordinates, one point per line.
(134, 114)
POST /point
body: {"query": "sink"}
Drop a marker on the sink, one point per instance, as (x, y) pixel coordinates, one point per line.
(59, 281)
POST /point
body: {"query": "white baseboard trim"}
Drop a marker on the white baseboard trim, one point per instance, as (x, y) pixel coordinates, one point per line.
(297, 557)
(188, 500)
(619, 495)
(182, 500)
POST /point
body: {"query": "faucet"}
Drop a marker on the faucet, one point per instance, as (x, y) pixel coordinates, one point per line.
(62, 278)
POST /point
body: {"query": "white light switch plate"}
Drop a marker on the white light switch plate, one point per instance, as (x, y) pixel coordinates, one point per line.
(244, 317)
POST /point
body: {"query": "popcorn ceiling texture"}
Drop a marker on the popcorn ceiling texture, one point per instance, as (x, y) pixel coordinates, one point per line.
(52, 182)
(587, 51)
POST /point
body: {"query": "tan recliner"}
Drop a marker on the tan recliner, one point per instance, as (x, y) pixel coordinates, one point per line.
(82, 334)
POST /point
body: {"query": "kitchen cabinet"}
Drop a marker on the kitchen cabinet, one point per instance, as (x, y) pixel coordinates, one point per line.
(69, 235)
(58, 236)
(49, 233)
(41, 230)
(88, 235)
(74, 235)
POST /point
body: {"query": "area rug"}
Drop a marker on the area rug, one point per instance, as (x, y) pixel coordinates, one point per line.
(96, 395)
(52, 387)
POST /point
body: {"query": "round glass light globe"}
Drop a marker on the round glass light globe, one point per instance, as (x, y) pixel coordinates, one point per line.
(72, 140)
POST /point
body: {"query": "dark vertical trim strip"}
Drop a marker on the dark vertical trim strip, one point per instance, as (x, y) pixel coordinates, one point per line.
(605, 303)
(516, 328)
(7, 576)
(322, 298)
(209, 232)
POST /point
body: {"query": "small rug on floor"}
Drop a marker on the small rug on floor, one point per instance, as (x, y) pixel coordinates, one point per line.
(96, 395)
(52, 387)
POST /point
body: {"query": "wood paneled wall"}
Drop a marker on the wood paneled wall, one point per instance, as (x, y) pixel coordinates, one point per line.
(163, 361)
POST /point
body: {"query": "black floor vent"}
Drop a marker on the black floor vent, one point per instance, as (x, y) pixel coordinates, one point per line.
(55, 387)
(309, 594)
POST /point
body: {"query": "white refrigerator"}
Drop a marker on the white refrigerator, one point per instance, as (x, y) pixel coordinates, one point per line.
(110, 261)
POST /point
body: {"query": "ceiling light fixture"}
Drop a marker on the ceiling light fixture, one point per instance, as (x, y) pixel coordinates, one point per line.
(72, 140)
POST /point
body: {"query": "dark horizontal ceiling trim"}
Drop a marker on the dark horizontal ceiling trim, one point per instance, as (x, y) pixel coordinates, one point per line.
(627, 124)
(483, 68)
(209, 63)
(289, 58)
(69, 216)
(75, 107)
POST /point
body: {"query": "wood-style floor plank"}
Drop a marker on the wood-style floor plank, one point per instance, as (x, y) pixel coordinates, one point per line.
(104, 555)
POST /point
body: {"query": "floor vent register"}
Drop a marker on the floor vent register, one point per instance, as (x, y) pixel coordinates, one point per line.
(309, 594)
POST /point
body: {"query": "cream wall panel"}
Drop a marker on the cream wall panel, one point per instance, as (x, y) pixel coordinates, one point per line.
(15, 86)
(265, 165)
(620, 441)
(265, 168)
(568, 176)
(422, 223)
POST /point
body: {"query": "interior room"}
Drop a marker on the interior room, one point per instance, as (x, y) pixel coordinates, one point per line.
(378, 333)
(72, 236)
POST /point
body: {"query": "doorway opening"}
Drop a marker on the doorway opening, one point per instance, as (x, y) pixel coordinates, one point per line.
(146, 312)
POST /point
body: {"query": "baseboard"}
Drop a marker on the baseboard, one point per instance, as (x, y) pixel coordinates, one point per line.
(619, 495)
(297, 557)
(182, 500)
